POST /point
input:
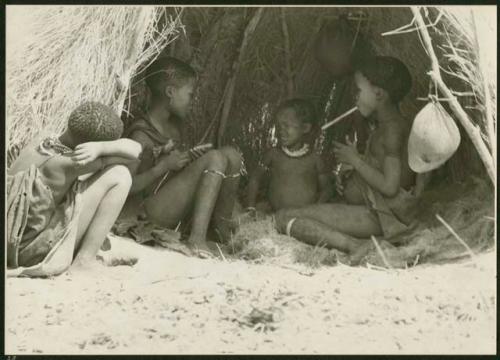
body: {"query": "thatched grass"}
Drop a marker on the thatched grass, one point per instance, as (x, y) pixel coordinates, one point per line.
(72, 54)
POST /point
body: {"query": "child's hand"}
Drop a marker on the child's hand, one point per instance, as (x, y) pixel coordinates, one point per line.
(168, 147)
(175, 160)
(347, 154)
(339, 187)
(86, 153)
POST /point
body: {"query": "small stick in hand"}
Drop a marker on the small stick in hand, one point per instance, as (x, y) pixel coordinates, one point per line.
(338, 118)
(195, 153)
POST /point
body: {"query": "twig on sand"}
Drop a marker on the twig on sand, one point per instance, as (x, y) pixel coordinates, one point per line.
(459, 239)
(299, 271)
(220, 252)
(179, 277)
(375, 267)
(381, 253)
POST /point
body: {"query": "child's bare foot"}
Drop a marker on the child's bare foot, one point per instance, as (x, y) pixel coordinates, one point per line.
(200, 248)
(85, 267)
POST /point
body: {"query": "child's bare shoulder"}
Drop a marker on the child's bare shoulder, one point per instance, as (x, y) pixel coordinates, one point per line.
(59, 166)
(394, 137)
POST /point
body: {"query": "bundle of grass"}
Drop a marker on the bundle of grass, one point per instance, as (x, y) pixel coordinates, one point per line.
(72, 54)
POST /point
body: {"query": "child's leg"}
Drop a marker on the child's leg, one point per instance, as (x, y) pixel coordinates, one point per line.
(192, 188)
(222, 217)
(102, 202)
(353, 220)
(316, 233)
(338, 226)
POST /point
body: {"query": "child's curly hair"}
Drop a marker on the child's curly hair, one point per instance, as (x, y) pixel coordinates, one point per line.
(93, 121)
(168, 71)
(387, 73)
(303, 108)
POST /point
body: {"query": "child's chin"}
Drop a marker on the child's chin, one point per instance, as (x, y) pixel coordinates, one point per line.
(364, 112)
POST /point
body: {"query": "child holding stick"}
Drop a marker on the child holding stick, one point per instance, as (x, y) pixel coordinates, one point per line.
(199, 189)
(378, 197)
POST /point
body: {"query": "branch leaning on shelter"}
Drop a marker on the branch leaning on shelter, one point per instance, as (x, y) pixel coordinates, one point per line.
(472, 130)
(476, 78)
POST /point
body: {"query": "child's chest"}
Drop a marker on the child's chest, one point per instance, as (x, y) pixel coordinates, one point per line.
(283, 165)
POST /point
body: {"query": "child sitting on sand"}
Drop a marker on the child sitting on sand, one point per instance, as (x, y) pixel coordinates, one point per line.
(378, 195)
(297, 175)
(197, 191)
(51, 215)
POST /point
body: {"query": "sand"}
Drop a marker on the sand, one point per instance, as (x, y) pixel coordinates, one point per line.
(168, 303)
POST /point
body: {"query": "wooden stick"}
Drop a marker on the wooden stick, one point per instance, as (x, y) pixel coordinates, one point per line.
(459, 239)
(252, 24)
(288, 65)
(214, 119)
(472, 130)
(382, 255)
(338, 118)
(203, 147)
(161, 182)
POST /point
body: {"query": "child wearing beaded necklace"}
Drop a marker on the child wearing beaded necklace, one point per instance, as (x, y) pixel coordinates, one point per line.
(297, 175)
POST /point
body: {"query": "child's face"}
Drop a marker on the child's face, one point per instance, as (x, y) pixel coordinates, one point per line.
(291, 130)
(180, 98)
(367, 97)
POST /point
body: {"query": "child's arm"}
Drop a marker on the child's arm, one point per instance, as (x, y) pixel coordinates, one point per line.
(176, 160)
(256, 178)
(323, 181)
(142, 180)
(77, 169)
(386, 181)
(90, 151)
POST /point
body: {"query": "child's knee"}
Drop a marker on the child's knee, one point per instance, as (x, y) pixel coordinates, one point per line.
(120, 175)
(216, 159)
(233, 156)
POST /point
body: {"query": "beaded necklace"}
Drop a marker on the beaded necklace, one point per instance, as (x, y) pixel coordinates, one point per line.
(52, 146)
(304, 150)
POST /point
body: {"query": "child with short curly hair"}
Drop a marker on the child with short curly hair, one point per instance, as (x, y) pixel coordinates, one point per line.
(51, 215)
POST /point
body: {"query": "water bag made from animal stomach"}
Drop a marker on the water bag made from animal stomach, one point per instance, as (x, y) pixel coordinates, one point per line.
(434, 138)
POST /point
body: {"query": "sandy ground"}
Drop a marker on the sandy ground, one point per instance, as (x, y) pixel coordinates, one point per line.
(169, 304)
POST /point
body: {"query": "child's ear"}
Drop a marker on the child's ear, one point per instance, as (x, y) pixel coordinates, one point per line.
(169, 90)
(380, 93)
(307, 127)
